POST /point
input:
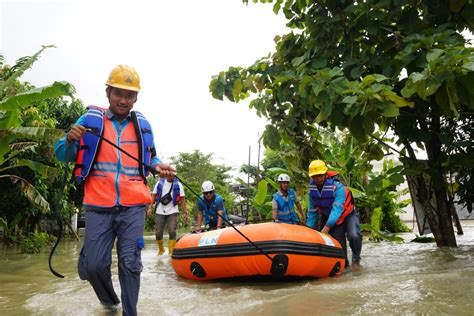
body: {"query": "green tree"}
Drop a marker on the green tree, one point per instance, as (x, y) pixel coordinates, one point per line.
(459, 147)
(371, 67)
(196, 167)
(25, 143)
(65, 114)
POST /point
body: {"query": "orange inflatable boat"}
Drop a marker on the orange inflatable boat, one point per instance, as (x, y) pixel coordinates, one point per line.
(276, 251)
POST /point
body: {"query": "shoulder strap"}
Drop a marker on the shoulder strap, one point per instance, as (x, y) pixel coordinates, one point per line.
(139, 140)
(171, 187)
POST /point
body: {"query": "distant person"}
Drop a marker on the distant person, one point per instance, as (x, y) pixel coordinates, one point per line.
(115, 192)
(211, 208)
(333, 201)
(167, 195)
(284, 202)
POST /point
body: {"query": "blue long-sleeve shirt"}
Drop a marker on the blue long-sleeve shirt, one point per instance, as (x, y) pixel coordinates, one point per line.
(337, 206)
(67, 151)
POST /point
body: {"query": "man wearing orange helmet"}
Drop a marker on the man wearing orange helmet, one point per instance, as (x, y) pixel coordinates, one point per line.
(333, 202)
(116, 194)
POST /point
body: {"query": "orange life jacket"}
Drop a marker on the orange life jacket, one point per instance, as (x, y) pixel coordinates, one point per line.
(115, 178)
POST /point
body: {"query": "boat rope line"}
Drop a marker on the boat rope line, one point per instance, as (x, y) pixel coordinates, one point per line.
(57, 214)
(229, 223)
(150, 168)
(277, 265)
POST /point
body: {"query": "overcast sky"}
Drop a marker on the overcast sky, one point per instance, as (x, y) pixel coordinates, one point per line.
(176, 46)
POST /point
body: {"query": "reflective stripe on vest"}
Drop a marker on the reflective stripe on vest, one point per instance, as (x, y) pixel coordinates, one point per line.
(176, 190)
(89, 144)
(323, 200)
(114, 178)
(286, 212)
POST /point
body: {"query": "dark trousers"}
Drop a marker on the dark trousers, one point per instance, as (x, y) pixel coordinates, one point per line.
(161, 221)
(349, 228)
(102, 228)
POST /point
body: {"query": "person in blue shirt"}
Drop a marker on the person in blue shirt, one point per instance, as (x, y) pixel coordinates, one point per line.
(284, 202)
(210, 208)
(332, 203)
(116, 195)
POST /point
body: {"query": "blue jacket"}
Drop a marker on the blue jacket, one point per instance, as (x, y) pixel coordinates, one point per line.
(286, 209)
(334, 200)
(210, 209)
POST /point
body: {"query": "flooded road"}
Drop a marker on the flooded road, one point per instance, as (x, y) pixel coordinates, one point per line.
(408, 278)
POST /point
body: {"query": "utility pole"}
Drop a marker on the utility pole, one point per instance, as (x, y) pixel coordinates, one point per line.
(257, 178)
(248, 187)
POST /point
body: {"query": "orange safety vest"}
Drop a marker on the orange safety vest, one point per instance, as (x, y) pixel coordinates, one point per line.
(115, 178)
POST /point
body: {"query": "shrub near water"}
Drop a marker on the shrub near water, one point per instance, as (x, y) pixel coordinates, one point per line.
(34, 242)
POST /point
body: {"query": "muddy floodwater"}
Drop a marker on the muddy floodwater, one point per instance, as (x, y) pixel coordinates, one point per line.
(396, 279)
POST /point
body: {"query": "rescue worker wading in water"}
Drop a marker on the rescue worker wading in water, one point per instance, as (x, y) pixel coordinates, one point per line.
(332, 201)
(167, 195)
(116, 195)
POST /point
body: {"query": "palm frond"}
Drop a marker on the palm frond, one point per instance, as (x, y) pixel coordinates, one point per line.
(44, 171)
(40, 134)
(22, 146)
(22, 100)
(19, 68)
(33, 195)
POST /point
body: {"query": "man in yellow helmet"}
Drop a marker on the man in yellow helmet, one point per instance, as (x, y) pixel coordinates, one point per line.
(116, 194)
(333, 203)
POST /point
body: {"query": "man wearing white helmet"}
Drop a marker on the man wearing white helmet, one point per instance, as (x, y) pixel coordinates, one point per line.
(210, 206)
(284, 201)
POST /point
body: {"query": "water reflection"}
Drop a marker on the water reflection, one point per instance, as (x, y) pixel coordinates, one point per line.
(396, 279)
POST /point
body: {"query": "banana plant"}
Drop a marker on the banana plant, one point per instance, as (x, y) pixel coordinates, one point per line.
(17, 139)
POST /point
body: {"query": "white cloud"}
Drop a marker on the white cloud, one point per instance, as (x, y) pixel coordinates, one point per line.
(175, 46)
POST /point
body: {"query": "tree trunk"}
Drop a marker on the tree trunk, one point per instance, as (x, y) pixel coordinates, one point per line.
(447, 237)
(455, 216)
(433, 197)
(444, 232)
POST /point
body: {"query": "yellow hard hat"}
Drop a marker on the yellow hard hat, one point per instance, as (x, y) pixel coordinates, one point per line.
(317, 167)
(124, 77)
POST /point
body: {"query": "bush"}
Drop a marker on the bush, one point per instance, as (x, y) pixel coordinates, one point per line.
(34, 242)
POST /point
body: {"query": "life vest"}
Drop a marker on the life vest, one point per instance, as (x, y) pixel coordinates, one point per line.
(286, 209)
(210, 209)
(324, 199)
(175, 190)
(111, 177)
(90, 144)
